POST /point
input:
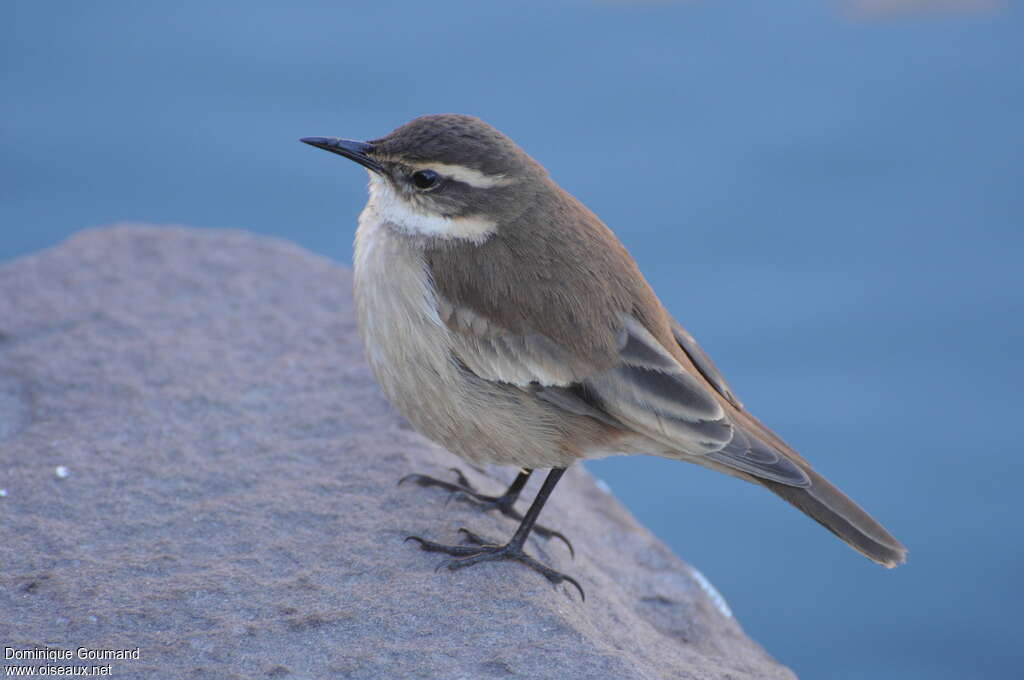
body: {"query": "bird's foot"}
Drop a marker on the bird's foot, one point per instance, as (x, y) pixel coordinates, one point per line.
(484, 550)
(462, 490)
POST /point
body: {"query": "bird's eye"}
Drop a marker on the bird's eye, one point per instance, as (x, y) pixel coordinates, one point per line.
(425, 179)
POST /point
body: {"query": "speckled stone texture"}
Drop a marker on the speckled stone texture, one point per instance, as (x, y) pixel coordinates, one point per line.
(230, 508)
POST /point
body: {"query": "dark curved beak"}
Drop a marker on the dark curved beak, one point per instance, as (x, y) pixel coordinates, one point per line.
(349, 148)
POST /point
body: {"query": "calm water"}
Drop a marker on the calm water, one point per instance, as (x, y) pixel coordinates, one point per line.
(829, 198)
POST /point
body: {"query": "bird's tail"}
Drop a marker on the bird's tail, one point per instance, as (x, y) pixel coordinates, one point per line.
(824, 503)
(839, 514)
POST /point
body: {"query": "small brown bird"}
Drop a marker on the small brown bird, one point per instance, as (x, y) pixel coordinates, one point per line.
(506, 322)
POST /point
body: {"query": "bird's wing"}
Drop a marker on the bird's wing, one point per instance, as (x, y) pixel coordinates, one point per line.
(644, 389)
(703, 363)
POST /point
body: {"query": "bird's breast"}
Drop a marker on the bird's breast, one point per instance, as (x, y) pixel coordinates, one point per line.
(405, 341)
(411, 353)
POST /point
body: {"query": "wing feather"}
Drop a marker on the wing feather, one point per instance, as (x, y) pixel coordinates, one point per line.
(647, 390)
(704, 363)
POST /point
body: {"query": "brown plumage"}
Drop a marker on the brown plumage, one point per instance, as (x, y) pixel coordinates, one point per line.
(508, 323)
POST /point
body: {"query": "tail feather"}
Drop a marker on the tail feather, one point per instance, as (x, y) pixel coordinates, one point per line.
(839, 514)
(826, 504)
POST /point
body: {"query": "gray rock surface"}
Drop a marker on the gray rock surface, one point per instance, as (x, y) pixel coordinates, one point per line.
(195, 462)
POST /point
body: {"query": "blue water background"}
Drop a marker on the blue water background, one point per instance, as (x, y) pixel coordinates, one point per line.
(829, 195)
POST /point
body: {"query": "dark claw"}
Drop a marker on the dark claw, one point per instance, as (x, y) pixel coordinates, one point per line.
(570, 579)
(424, 480)
(551, 533)
(483, 551)
(460, 478)
(430, 546)
(477, 539)
(489, 553)
(543, 531)
(462, 490)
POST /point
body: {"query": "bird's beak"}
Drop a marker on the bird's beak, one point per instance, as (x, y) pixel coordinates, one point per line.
(349, 148)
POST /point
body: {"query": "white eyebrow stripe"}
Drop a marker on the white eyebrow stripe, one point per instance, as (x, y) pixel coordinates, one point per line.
(392, 209)
(461, 173)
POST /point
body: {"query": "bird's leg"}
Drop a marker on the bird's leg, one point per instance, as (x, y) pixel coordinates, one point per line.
(463, 490)
(483, 551)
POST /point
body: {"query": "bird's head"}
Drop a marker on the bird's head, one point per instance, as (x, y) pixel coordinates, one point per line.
(446, 175)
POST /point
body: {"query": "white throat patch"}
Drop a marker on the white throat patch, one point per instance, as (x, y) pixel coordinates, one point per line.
(391, 207)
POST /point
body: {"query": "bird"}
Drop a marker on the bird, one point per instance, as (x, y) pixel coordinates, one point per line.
(506, 322)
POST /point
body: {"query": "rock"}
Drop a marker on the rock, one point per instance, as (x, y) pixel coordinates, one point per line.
(198, 464)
